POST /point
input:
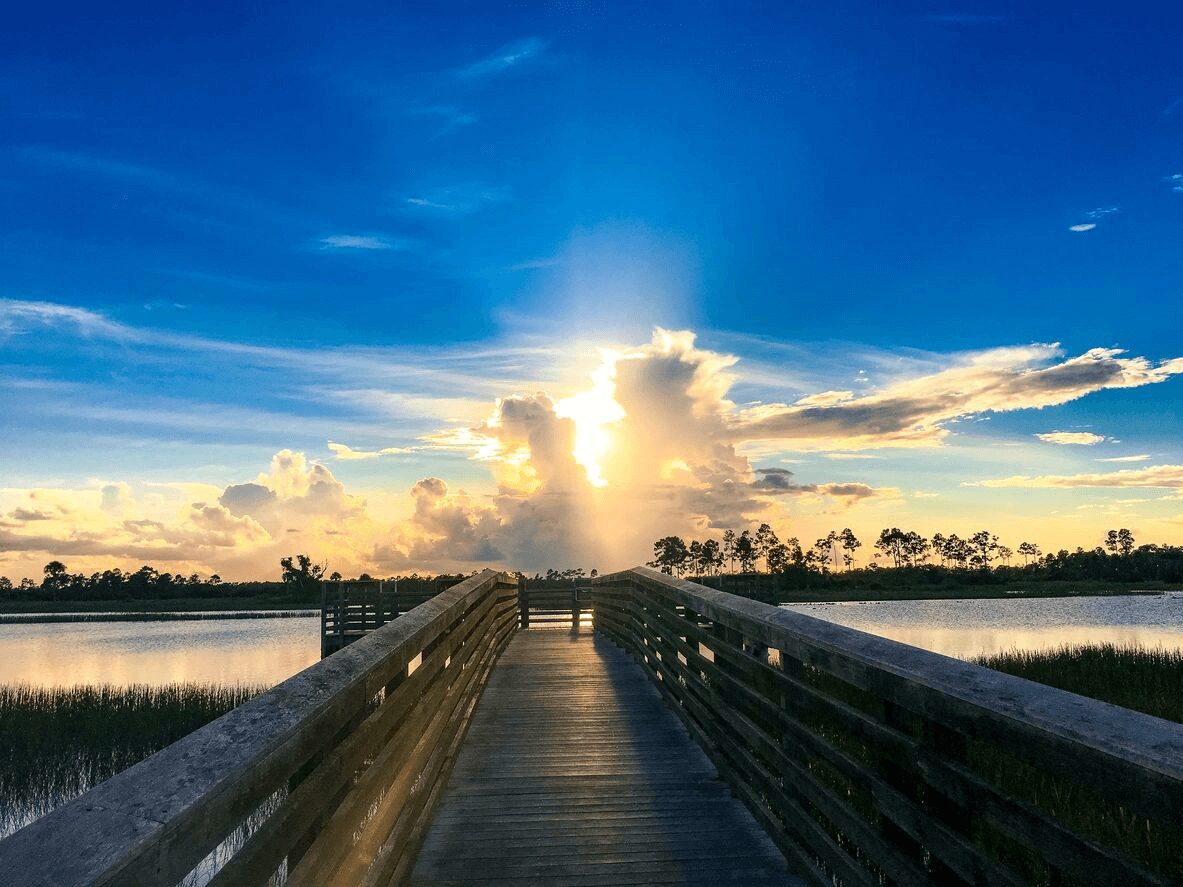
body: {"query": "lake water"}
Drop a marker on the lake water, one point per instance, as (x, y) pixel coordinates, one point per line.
(222, 651)
(966, 628)
(266, 651)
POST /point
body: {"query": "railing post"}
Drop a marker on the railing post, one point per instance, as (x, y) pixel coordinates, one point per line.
(324, 616)
(523, 606)
(575, 609)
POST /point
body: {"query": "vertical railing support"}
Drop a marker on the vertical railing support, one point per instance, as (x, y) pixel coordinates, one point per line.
(523, 606)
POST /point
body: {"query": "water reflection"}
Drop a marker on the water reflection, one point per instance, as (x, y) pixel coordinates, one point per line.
(966, 628)
(223, 651)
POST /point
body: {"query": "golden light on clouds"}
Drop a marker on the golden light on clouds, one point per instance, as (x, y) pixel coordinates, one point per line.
(645, 443)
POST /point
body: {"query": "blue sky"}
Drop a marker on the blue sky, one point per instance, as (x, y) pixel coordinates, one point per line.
(370, 195)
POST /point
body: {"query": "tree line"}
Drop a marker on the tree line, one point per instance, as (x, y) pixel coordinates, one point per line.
(299, 581)
(1118, 555)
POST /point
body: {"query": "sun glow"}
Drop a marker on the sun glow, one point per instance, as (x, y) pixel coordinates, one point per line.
(594, 412)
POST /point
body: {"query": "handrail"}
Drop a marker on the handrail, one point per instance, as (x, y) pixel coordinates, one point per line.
(329, 777)
(866, 758)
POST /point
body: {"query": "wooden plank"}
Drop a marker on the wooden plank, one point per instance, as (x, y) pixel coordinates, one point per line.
(573, 771)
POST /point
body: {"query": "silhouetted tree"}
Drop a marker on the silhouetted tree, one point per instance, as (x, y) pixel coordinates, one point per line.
(300, 574)
(669, 555)
(729, 549)
(850, 544)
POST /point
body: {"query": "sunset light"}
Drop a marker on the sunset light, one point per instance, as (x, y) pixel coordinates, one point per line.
(556, 443)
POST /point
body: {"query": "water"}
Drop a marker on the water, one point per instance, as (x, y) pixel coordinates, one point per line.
(967, 628)
(221, 651)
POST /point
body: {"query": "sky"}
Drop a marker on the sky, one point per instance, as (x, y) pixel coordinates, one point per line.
(424, 287)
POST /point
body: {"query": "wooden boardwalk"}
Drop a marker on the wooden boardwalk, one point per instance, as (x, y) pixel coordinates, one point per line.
(575, 772)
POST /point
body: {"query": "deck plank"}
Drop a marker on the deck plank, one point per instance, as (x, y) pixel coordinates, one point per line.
(575, 772)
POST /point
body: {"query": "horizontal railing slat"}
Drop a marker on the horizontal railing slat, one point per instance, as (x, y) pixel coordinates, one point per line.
(747, 679)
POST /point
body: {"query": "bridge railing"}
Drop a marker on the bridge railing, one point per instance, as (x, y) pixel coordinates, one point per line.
(872, 762)
(330, 777)
(551, 607)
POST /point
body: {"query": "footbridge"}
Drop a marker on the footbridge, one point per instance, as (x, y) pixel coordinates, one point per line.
(645, 731)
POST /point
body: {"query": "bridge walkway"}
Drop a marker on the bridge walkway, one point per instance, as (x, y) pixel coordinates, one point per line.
(575, 772)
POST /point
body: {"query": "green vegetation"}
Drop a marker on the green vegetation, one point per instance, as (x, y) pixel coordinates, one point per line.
(148, 590)
(1145, 679)
(907, 566)
(57, 742)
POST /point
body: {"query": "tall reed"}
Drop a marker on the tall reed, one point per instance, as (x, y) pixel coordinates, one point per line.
(56, 742)
(1146, 679)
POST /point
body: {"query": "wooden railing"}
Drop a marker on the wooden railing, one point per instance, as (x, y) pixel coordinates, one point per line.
(329, 778)
(351, 609)
(551, 607)
(872, 762)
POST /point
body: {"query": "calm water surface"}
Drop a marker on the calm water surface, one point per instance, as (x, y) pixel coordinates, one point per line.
(966, 628)
(222, 651)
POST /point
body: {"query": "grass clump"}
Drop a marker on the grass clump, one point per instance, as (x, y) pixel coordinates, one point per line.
(1145, 679)
(56, 742)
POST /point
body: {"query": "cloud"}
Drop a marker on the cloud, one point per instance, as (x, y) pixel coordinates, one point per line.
(1141, 457)
(1082, 228)
(565, 470)
(17, 316)
(1176, 182)
(347, 453)
(1072, 438)
(917, 412)
(1159, 476)
(504, 59)
(458, 200)
(1101, 212)
(357, 241)
(779, 481)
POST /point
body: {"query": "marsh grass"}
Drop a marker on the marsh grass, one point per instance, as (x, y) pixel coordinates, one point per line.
(56, 742)
(1146, 679)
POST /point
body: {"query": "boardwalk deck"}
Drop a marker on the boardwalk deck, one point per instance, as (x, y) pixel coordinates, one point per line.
(574, 772)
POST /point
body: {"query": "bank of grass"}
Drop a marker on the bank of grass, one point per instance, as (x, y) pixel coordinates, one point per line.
(1146, 679)
(56, 742)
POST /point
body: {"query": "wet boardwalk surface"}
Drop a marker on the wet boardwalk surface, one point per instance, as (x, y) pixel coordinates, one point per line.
(575, 772)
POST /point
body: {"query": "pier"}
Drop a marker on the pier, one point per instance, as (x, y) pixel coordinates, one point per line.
(641, 730)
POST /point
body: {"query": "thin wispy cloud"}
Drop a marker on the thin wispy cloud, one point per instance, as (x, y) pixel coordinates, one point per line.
(457, 200)
(1176, 182)
(1094, 216)
(103, 166)
(1155, 476)
(348, 453)
(357, 241)
(1072, 438)
(1139, 457)
(504, 59)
